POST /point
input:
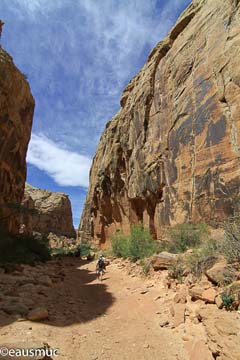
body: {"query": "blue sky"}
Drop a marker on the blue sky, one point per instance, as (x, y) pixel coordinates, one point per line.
(78, 56)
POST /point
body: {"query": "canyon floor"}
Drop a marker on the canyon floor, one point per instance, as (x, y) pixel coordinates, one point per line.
(121, 317)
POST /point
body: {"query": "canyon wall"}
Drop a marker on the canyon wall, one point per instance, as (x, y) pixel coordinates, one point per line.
(172, 152)
(16, 114)
(47, 212)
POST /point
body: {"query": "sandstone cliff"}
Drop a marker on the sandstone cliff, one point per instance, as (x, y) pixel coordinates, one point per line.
(171, 154)
(16, 114)
(47, 212)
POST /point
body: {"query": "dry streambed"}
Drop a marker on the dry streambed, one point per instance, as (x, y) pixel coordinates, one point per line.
(61, 304)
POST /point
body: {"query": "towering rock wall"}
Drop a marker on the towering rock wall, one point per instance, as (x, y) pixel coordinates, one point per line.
(46, 212)
(16, 114)
(172, 152)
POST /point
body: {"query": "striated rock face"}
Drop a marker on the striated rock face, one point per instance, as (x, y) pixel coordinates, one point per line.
(171, 154)
(51, 212)
(16, 114)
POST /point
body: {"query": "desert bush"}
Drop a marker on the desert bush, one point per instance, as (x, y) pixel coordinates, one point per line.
(23, 249)
(228, 301)
(199, 263)
(136, 246)
(141, 243)
(119, 244)
(202, 258)
(185, 236)
(230, 245)
(83, 249)
(177, 270)
(146, 266)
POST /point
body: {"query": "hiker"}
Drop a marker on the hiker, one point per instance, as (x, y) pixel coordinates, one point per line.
(1, 26)
(100, 267)
(101, 264)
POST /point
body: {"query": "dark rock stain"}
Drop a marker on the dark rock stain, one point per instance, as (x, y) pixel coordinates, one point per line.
(216, 131)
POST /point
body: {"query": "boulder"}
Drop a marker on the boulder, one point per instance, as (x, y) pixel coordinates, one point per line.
(199, 293)
(38, 314)
(163, 260)
(219, 301)
(209, 296)
(222, 329)
(195, 292)
(221, 273)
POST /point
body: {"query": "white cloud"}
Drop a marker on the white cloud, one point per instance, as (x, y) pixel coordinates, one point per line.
(67, 168)
(93, 47)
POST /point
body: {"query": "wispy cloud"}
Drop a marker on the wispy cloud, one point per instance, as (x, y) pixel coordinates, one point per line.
(79, 55)
(92, 48)
(65, 167)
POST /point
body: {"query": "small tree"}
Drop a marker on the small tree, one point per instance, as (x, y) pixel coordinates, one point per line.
(136, 246)
(141, 243)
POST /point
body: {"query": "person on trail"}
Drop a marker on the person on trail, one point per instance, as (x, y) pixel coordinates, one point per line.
(101, 264)
(100, 267)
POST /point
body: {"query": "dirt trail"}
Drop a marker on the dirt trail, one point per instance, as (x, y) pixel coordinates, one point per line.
(113, 319)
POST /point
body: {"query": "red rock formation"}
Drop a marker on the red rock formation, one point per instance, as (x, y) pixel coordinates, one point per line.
(16, 113)
(171, 154)
(47, 212)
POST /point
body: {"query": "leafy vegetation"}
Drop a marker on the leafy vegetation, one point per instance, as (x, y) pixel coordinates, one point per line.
(202, 258)
(83, 249)
(203, 253)
(228, 301)
(186, 236)
(146, 266)
(23, 249)
(136, 246)
(231, 296)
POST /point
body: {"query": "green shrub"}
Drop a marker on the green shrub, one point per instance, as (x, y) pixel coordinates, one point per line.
(136, 246)
(83, 249)
(185, 236)
(141, 243)
(120, 245)
(23, 249)
(228, 301)
(230, 245)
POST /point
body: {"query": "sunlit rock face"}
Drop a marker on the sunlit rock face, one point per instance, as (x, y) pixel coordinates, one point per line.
(16, 114)
(172, 152)
(47, 212)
